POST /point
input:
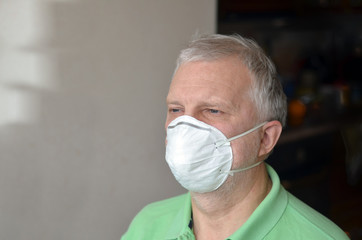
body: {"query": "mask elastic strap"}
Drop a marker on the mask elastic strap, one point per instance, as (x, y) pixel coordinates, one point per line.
(231, 172)
(240, 135)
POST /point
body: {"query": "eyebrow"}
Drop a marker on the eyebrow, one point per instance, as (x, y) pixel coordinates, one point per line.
(213, 101)
(173, 102)
(209, 104)
(212, 105)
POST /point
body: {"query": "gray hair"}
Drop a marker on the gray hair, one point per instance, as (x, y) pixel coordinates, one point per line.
(267, 92)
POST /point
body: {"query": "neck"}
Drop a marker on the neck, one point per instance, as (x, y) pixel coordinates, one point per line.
(220, 213)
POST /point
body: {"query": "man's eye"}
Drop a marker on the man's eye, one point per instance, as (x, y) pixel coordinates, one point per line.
(214, 111)
(174, 110)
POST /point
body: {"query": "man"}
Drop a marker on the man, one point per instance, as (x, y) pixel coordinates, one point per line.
(226, 110)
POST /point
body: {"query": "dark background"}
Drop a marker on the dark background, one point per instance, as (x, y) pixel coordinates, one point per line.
(317, 49)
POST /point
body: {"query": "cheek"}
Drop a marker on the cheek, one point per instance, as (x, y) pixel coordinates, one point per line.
(168, 120)
(170, 117)
(226, 129)
(245, 151)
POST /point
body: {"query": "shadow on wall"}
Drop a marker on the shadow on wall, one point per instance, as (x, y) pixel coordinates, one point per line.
(73, 105)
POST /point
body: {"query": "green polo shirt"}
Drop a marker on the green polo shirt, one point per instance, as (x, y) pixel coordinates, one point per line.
(279, 216)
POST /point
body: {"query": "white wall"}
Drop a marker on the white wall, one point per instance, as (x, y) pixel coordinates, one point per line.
(82, 92)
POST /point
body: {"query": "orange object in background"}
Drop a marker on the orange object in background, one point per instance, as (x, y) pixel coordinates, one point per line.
(296, 112)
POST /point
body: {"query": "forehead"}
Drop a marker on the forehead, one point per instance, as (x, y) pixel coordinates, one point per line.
(226, 79)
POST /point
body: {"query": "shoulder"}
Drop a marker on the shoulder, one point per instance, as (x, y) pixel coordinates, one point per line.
(155, 218)
(301, 220)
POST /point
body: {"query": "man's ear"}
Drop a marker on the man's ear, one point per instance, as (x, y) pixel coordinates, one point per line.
(271, 134)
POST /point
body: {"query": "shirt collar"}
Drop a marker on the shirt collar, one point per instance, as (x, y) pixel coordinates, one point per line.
(262, 220)
(267, 214)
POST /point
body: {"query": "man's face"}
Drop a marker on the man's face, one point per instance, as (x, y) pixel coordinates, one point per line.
(217, 93)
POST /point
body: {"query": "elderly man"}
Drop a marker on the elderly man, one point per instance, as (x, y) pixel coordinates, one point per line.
(226, 110)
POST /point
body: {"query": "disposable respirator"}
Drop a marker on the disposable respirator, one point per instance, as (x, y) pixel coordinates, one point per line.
(199, 155)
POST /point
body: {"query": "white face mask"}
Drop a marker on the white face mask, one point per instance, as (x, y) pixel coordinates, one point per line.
(200, 155)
